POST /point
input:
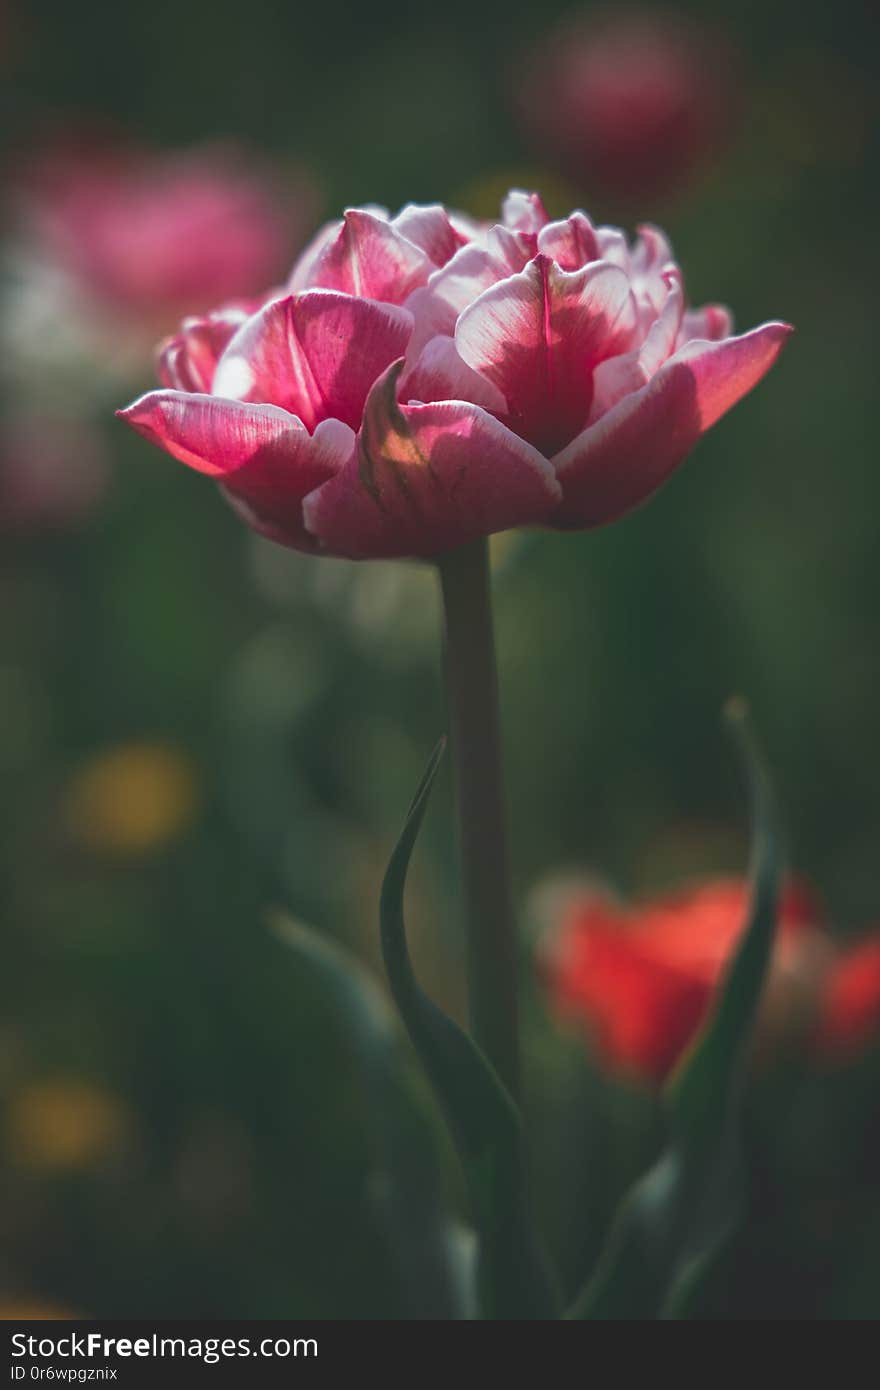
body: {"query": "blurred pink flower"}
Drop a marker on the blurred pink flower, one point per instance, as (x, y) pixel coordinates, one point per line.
(425, 380)
(107, 245)
(53, 472)
(158, 233)
(633, 102)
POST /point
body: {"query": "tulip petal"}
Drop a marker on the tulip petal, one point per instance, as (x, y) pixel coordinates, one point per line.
(572, 243)
(471, 270)
(712, 322)
(368, 256)
(440, 375)
(620, 460)
(538, 335)
(662, 336)
(305, 263)
(523, 212)
(426, 478)
(187, 361)
(315, 354)
(652, 251)
(614, 247)
(614, 379)
(617, 377)
(265, 458)
(429, 227)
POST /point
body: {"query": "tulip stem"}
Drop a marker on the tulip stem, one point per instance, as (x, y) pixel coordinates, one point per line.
(472, 692)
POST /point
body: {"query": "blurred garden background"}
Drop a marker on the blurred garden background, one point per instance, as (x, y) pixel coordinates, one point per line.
(197, 727)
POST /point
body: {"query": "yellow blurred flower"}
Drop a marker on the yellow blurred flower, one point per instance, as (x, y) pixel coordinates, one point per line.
(30, 1310)
(131, 799)
(64, 1125)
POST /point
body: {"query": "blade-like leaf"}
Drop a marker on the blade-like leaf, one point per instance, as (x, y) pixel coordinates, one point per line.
(421, 1237)
(483, 1120)
(671, 1226)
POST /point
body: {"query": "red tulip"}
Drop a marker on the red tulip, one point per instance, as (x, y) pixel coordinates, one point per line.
(633, 103)
(641, 979)
(424, 381)
(849, 1017)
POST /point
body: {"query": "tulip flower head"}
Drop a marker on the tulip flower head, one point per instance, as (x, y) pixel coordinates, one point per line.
(641, 979)
(424, 381)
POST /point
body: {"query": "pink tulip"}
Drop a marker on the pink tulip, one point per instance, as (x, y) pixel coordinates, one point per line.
(425, 381)
(633, 102)
(157, 234)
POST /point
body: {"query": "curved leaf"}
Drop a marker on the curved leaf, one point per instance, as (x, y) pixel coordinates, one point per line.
(672, 1224)
(421, 1237)
(483, 1120)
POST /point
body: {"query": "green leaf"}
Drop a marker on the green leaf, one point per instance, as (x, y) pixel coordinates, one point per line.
(672, 1225)
(484, 1122)
(407, 1188)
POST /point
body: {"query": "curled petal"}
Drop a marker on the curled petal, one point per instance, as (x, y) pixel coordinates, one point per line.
(315, 354)
(538, 336)
(712, 322)
(181, 369)
(440, 375)
(621, 376)
(616, 463)
(613, 246)
(523, 212)
(614, 379)
(368, 256)
(662, 336)
(187, 361)
(572, 243)
(471, 270)
(426, 478)
(652, 250)
(430, 227)
(265, 459)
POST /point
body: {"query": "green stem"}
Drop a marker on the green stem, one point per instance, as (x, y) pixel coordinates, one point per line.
(472, 685)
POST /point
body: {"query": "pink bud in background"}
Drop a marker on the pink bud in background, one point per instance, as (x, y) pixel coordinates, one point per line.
(156, 234)
(631, 103)
(108, 245)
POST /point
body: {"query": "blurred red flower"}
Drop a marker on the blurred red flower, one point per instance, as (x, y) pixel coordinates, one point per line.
(641, 979)
(849, 1014)
(634, 103)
